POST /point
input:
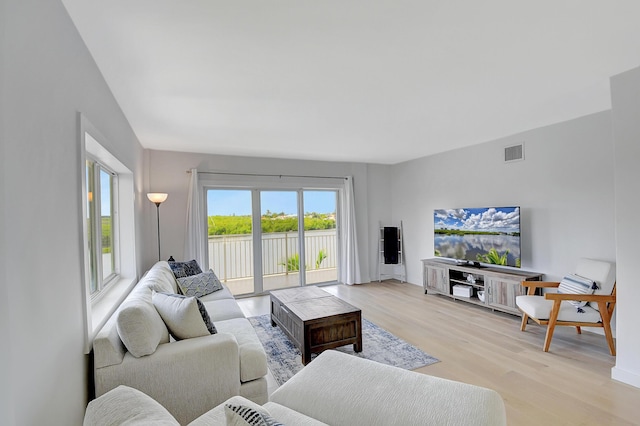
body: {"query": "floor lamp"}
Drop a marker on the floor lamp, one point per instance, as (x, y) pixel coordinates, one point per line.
(157, 198)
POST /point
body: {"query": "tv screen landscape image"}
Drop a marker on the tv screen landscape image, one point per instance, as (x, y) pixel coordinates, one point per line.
(486, 235)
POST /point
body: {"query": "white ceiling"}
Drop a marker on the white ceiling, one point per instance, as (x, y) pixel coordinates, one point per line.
(354, 80)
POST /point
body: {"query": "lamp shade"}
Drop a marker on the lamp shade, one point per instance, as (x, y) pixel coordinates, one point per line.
(157, 197)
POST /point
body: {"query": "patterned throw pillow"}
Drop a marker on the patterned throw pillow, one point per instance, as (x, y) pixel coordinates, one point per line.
(575, 284)
(185, 269)
(240, 415)
(200, 284)
(185, 317)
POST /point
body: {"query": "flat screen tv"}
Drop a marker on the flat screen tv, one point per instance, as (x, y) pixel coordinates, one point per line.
(488, 235)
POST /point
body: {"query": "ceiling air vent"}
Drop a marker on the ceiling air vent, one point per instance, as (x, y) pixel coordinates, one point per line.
(514, 153)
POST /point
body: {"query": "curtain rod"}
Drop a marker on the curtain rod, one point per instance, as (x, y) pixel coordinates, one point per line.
(269, 175)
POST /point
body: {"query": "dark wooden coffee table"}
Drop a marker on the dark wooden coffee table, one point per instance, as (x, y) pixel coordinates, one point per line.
(315, 320)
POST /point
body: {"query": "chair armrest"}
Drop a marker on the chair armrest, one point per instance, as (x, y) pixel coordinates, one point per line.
(581, 297)
(534, 285)
(187, 377)
(538, 284)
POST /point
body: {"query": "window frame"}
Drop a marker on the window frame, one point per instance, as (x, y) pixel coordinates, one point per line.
(102, 283)
(97, 310)
(258, 184)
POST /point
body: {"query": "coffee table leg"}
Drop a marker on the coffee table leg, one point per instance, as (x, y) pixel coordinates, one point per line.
(306, 346)
(357, 347)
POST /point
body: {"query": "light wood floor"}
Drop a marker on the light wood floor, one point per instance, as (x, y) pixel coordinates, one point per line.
(570, 385)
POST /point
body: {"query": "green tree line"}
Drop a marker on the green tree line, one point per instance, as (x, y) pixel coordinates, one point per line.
(271, 223)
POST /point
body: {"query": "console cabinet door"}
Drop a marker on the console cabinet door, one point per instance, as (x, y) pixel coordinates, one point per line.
(437, 279)
(501, 293)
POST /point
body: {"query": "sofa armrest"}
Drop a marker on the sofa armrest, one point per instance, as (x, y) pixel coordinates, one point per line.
(187, 377)
(125, 405)
(341, 389)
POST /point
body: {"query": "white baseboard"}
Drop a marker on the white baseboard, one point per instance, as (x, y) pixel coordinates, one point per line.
(624, 376)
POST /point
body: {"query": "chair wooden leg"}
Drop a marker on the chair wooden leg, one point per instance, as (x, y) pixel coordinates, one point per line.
(578, 329)
(606, 324)
(525, 318)
(553, 318)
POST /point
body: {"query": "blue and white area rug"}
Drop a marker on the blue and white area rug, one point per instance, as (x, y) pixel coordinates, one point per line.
(378, 344)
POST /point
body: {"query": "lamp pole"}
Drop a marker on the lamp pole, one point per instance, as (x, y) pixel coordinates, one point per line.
(157, 198)
(158, 215)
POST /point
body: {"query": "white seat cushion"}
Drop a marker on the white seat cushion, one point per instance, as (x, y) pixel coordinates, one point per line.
(331, 385)
(225, 293)
(253, 359)
(224, 309)
(540, 308)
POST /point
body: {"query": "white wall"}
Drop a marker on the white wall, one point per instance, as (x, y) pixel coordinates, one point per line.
(564, 188)
(167, 173)
(625, 90)
(48, 76)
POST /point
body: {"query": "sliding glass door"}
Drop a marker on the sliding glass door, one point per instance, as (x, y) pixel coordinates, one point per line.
(268, 239)
(230, 238)
(280, 239)
(320, 236)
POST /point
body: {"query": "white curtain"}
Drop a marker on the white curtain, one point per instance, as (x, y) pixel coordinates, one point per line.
(349, 261)
(195, 235)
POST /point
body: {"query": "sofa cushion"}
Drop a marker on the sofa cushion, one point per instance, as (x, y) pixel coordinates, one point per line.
(200, 284)
(139, 325)
(186, 317)
(253, 359)
(160, 278)
(290, 417)
(540, 308)
(242, 415)
(384, 395)
(185, 269)
(125, 405)
(222, 309)
(225, 293)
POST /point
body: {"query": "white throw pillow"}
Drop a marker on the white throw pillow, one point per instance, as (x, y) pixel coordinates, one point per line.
(575, 284)
(184, 316)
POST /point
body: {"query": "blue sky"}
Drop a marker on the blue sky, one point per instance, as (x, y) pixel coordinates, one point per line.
(497, 219)
(238, 202)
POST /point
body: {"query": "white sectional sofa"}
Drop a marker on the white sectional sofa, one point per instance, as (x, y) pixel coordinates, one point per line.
(188, 377)
(334, 389)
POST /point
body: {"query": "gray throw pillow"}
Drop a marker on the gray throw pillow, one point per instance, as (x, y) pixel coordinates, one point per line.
(185, 269)
(199, 285)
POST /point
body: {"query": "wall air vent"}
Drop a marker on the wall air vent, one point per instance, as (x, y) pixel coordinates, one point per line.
(514, 153)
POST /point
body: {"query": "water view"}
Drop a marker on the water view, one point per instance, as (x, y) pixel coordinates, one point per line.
(487, 235)
(476, 248)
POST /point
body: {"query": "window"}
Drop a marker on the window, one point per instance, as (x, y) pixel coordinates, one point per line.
(102, 224)
(108, 215)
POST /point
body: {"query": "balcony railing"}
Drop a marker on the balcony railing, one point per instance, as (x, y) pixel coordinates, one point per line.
(231, 256)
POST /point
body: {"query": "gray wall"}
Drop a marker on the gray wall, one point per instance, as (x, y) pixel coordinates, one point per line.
(167, 173)
(625, 90)
(564, 188)
(47, 77)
